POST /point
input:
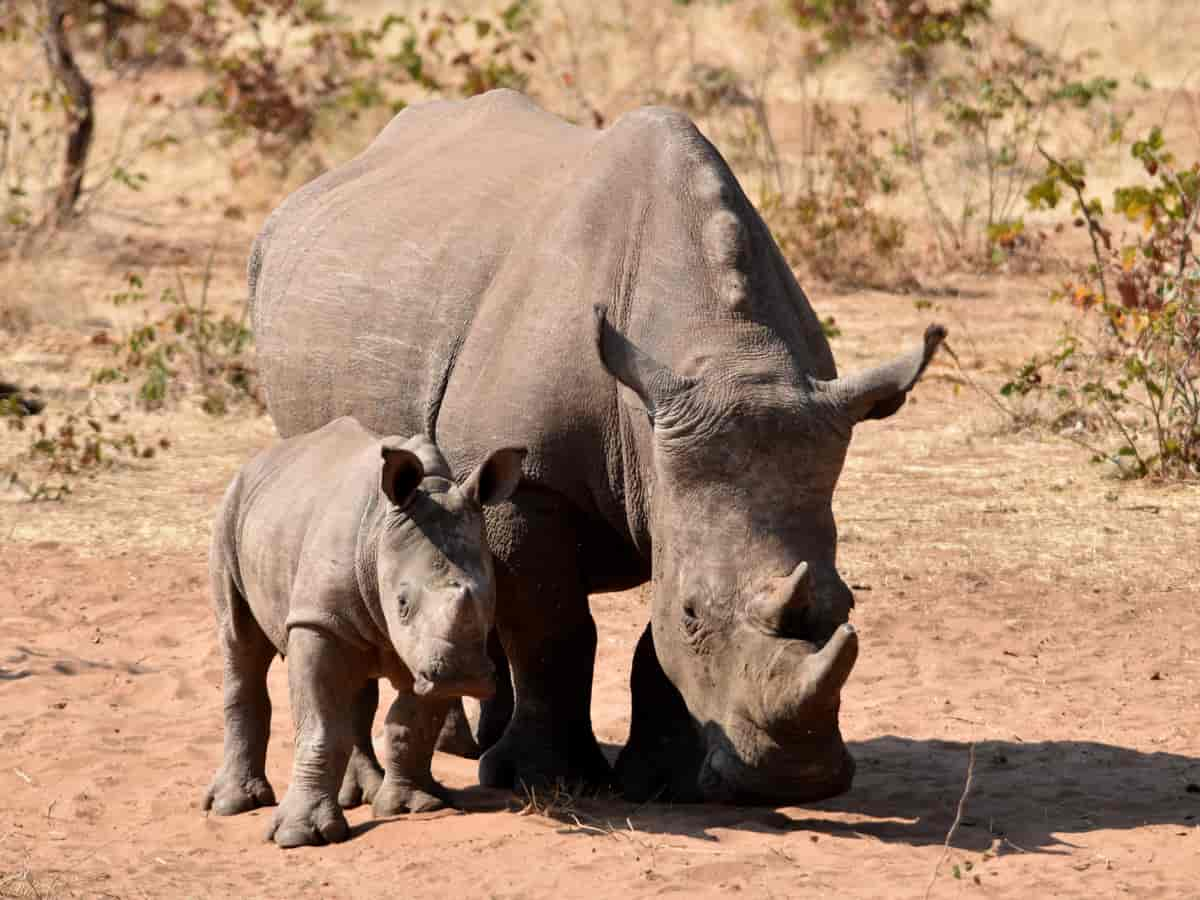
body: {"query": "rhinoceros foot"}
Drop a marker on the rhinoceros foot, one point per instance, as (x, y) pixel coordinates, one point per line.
(308, 819)
(361, 782)
(661, 759)
(395, 798)
(457, 737)
(523, 758)
(232, 792)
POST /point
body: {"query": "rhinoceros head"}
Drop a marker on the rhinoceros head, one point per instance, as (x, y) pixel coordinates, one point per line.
(433, 567)
(749, 611)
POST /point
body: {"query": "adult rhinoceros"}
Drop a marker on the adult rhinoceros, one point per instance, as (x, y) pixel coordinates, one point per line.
(489, 274)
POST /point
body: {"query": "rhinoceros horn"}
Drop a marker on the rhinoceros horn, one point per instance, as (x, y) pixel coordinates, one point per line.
(827, 670)
(879, 392)
(788, 600)
(817, 680)
(655, 384)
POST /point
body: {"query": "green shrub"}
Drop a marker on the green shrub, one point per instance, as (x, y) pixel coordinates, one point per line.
(1125, 380)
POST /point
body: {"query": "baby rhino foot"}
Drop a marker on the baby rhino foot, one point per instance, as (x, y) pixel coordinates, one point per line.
(306, 819)
(396, 798)
(361, 782)
(232, 793)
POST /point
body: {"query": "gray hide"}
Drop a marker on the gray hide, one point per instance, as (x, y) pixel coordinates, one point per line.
(357, 558)
(486, 272)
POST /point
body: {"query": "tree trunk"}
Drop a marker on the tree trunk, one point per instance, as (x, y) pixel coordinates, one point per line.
(80, 113)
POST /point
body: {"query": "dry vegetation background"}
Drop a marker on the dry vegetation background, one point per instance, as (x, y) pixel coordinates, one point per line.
(1019, 606)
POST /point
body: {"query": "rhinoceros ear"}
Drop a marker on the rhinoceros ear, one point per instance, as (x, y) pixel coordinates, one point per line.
(400, 475)
(654, 384)
(497, 476)
(879, 392)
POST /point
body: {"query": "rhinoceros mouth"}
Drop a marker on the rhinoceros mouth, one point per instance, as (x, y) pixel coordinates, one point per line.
(723, 778)
(482, 686)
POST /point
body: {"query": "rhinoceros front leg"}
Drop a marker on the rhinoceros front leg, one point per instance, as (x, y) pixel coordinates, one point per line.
(663, 755)
(241, 782)
(412, 727)
(323, 681)
(363, 772)
(549, 637)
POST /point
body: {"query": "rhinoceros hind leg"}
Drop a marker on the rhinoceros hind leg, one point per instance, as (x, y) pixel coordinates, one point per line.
(229, 795)
(412, 728)
(363, 772)
(241, 782)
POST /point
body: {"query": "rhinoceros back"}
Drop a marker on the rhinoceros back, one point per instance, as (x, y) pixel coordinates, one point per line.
(443, 282)
(365, 282)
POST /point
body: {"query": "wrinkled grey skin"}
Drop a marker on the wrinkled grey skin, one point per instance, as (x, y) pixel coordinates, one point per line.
(610, 299)
(356, 558)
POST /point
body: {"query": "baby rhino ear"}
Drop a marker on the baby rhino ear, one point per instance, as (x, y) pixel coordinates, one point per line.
(400, 475)
(497, 476)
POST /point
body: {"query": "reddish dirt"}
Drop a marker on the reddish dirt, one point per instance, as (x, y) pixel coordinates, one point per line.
(1014, 605)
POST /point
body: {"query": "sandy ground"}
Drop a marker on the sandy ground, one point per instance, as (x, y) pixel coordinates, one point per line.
(1022, 614)
(1016, 607)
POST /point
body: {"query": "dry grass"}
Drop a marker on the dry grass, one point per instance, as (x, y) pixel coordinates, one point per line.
(30, 884)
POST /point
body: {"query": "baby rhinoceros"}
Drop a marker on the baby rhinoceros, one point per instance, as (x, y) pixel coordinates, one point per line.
(356, 557)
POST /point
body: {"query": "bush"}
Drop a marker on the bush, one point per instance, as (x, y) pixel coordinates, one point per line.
(972, 129)
(826, 212)
(185, 350)
(274, 72)
(1127, 375)
(832, 225)
(83, 441)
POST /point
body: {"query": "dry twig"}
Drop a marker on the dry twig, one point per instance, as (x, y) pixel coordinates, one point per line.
(962, 805)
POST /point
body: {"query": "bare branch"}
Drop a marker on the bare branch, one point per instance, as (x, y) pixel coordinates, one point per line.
(962, 805)
(80, 114)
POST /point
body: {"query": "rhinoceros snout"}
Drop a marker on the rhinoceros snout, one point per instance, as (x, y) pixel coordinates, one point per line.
(443, 682)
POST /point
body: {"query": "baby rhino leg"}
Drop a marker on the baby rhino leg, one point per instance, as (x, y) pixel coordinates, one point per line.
(412, 728)
(456, 737)
(363, 774)
(241, 782)
(323, 681)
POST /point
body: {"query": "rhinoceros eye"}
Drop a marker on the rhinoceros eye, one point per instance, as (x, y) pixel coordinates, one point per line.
(693, 627)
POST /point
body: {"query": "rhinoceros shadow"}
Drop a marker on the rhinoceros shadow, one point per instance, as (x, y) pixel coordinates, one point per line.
(1029, 797)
